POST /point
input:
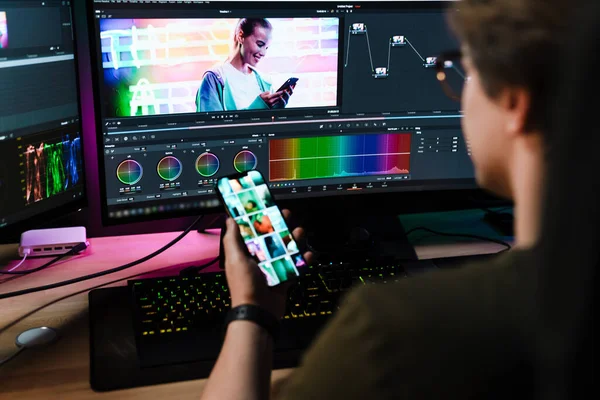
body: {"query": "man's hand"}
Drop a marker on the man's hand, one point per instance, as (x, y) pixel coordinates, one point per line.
(247, 283)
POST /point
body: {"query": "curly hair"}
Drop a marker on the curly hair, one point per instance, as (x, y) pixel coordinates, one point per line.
(514, 43)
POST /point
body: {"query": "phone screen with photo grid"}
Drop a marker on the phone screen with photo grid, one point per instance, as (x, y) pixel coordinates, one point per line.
(249, 201)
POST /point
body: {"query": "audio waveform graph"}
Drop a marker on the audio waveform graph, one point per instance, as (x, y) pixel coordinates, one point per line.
(327, 157)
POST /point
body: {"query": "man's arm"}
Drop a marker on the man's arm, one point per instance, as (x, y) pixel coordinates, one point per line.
(243, 370)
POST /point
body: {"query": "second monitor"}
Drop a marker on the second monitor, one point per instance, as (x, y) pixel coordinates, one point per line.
(187, 93)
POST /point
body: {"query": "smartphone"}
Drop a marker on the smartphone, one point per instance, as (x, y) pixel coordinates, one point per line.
(249, 202)
(287, 84)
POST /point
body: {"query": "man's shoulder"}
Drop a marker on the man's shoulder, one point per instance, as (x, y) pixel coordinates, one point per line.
(502, 285)
(387, 340)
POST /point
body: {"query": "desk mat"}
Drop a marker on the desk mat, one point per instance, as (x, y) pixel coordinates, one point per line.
(113, 353)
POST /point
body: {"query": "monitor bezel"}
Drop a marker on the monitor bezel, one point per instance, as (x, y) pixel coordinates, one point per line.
(457, 195)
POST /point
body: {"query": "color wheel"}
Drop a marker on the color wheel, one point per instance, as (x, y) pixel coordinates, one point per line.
(207, 164)
(169, 168)
(129, 172)
(244, 161)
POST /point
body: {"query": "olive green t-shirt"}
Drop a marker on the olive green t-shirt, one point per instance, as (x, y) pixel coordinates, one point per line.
(461, 333)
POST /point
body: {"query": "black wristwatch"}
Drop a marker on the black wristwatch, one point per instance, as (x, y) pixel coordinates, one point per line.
(256, 314)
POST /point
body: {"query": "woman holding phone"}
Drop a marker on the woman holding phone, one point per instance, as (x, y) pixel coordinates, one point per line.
(236, 84)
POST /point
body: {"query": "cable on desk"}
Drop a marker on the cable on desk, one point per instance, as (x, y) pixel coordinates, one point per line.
(462, 235)
(19, 264)
(75, 250)
(13, 355)
(103, 273)
(40, 308)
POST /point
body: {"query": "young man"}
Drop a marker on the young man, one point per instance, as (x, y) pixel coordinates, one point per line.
(465, 333)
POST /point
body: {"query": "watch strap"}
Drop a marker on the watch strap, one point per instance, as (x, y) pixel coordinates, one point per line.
(256, 314)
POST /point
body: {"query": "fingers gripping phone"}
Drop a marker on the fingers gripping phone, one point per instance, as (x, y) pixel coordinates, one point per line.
(249, 202)
(287, 84)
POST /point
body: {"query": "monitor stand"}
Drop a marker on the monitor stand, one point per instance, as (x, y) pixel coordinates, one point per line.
(212, 221)
(339, 237)
(502, 222)
(346, 236)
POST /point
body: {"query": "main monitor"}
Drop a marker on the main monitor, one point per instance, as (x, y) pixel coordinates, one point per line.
(41, 163)
(188, 91)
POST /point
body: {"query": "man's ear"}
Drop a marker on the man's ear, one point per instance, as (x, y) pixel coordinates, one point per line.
(516, 103)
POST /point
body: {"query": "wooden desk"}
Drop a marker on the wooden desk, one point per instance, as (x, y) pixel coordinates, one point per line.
(62, 370)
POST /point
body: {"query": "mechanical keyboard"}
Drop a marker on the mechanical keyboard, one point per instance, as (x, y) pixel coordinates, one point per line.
(180, 319)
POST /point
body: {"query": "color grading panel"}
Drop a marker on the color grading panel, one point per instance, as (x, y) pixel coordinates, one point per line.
(377, 159)
(208, 164)
(129, 172)
(166, 171)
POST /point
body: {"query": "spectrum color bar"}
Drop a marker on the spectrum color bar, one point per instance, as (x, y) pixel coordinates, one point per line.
(339, 156)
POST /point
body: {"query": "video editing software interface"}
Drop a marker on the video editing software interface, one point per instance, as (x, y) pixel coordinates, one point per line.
(184, 100)
(40, 145)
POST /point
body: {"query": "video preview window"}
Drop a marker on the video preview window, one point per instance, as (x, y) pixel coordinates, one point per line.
(262, 227)
(3, 30)
(172, 66)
